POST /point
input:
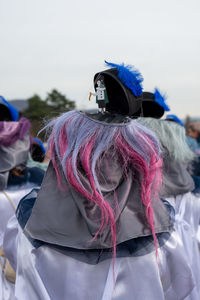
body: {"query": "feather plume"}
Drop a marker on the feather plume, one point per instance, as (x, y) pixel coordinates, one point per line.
(161, 99)
(129, 76)
(175, 119)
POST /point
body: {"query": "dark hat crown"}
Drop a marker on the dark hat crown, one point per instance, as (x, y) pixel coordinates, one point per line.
(121, 98)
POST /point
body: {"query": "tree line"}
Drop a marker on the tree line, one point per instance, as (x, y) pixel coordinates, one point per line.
(39, 110)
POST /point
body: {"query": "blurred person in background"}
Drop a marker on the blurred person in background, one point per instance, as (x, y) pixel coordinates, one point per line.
(16, 180)
(38, 156)
(178, 186)
(193, 138)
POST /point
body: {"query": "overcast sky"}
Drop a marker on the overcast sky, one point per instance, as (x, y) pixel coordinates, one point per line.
(46, 44)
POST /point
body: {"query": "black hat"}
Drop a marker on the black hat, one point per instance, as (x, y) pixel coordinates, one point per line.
(38, 150)
(5, 114)
(153, 104)
(7, 111)
(124, 89)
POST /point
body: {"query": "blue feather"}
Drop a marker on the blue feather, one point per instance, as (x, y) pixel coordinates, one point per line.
(160, 99)
(129, 76)
(175, 119)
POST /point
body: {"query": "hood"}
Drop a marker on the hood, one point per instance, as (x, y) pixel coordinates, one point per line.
(66, 218)
(176, 179)
(14, 148)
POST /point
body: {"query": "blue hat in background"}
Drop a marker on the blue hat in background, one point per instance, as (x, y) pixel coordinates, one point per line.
(40, 143)
(154, 104)
(13, 111)
(174, 118)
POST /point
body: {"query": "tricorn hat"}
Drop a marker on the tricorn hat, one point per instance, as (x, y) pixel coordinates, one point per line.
(153, 104)
(124, 89)
(7, 111)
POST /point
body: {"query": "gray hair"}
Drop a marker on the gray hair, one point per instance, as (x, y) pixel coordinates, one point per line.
(172, 138)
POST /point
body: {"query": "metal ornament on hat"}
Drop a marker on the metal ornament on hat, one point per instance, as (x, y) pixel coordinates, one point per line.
(101, 94)
(118, 90)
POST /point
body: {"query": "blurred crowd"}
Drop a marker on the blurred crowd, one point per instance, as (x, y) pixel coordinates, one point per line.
(109, 209)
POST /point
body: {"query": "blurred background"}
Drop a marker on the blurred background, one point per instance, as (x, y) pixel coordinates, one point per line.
(50, 51)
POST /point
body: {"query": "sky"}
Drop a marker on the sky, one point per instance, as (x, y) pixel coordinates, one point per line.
(46, 44)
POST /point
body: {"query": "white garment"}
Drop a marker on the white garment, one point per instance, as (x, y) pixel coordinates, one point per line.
(6, 209)
(45, 274)
(7, 288)
(6, 212)
(198, 229)
(176, 274)
(187, 219)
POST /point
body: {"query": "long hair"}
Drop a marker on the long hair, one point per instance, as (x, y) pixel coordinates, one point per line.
(172, 138)
(79, 143)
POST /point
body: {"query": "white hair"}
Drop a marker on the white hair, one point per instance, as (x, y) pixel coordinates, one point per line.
(172, 138)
